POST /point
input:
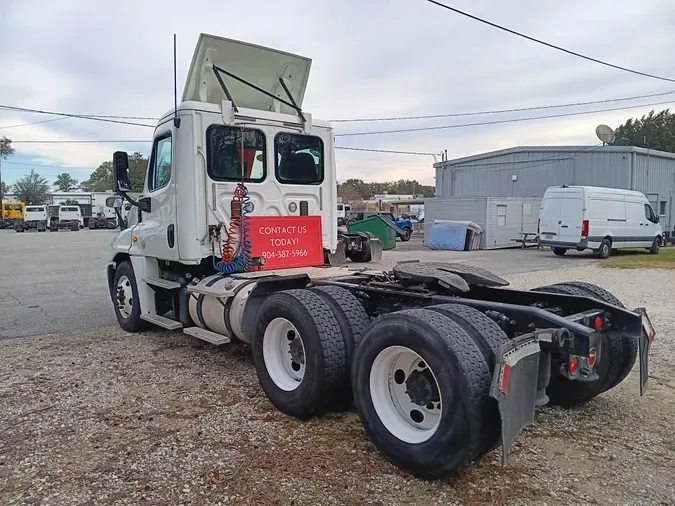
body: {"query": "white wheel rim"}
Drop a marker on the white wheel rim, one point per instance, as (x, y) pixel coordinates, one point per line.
(394, 370)
(125, 297)
(284, 354)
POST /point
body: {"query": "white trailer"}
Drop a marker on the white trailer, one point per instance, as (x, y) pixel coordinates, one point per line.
(228, 241)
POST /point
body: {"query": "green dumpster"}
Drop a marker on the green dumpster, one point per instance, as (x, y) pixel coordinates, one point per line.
(380, 227)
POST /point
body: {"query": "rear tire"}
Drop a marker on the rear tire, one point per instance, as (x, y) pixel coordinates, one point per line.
(605, 249)
(437, 428)
(617, 355)
(559, 251)
(363, 255)
(489, 337)
(299, 353)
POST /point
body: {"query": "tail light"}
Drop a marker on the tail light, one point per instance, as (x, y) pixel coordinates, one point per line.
(538, 225)
(573, 366)
(584, 228)
(592, 357)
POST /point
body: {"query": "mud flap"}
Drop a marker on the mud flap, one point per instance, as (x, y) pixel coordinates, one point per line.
(645, 342)
(337, 258)
(375, 249)
(514, 386)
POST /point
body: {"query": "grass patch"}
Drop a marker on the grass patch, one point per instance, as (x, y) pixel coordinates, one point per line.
(638, 258)
(671, 446)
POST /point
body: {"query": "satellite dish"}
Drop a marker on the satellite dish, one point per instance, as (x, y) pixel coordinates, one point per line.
(604, 133)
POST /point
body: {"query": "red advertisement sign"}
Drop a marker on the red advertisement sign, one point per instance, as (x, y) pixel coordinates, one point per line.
(287, 241)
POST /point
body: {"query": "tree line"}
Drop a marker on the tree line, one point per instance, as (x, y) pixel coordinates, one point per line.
(34, 188)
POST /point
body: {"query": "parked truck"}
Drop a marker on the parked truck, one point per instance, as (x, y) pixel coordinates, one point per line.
(11, 213)
(102, 217)
(228, 241)
(34, 217)
(69, 217)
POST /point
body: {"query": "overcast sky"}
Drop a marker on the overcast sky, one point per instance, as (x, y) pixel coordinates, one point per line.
(370, 58)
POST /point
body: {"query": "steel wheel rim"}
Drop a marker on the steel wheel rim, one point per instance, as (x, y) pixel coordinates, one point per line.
(125, 297)
(284, 354)
(390, 376)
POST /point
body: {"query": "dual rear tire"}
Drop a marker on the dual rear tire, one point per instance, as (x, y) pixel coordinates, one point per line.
(617, 354)
(420, 378)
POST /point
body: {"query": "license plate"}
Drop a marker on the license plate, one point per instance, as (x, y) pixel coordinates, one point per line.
(548, 237)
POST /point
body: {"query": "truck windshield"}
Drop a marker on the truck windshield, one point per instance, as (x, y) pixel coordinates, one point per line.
(224, 156)
(8, 207)
(35, 209)
(299, 159)
(70, 209)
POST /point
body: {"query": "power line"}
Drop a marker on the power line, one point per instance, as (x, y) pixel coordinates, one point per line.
(7, 162)
(402, 130)
(548, 44)
(497, 122)
(33, 123)
(387, 151)
(499, 111)
(79, 142)
(69, 115)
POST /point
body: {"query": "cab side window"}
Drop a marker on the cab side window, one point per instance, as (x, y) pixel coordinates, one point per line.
(160, 163)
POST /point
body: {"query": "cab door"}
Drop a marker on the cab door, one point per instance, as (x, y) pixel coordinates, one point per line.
(157, 229)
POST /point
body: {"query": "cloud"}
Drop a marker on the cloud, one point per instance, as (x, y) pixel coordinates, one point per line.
(372, 58)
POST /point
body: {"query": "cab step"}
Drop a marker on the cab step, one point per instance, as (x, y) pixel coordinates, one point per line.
(162, 321)
(162, 283)
(206, 335)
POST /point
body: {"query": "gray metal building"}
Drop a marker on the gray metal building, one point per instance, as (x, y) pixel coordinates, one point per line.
(528, 171)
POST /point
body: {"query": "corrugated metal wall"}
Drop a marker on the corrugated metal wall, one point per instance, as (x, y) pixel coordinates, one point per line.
(655, 177)
(520, 215)
(534, 171)
(460, 209)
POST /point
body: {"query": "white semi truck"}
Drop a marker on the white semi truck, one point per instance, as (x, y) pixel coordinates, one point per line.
(228, 241)
(36, 217)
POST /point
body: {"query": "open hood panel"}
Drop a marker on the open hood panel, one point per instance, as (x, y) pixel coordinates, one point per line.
(258, 65)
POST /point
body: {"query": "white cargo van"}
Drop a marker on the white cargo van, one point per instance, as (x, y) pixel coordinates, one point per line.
(601, 219)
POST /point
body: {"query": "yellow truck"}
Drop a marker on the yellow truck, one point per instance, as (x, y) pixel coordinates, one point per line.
(11, 212)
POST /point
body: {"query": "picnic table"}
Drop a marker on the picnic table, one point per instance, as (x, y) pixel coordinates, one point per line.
(525, 239)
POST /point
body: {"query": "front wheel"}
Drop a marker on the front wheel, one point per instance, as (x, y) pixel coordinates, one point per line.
(125, 299)
(405, 236)
(656, 246)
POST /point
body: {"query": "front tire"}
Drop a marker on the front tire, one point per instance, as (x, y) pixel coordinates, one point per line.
(125, 299)
(405, 236)
(559, 251)
(420, 386)
(656, 246)
(299, 353)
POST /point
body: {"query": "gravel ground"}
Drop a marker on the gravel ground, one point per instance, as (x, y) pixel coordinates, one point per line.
(103, 417)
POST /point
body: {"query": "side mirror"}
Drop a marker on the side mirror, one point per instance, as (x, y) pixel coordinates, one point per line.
(121, 178)
(658, 218)
(115, 202)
